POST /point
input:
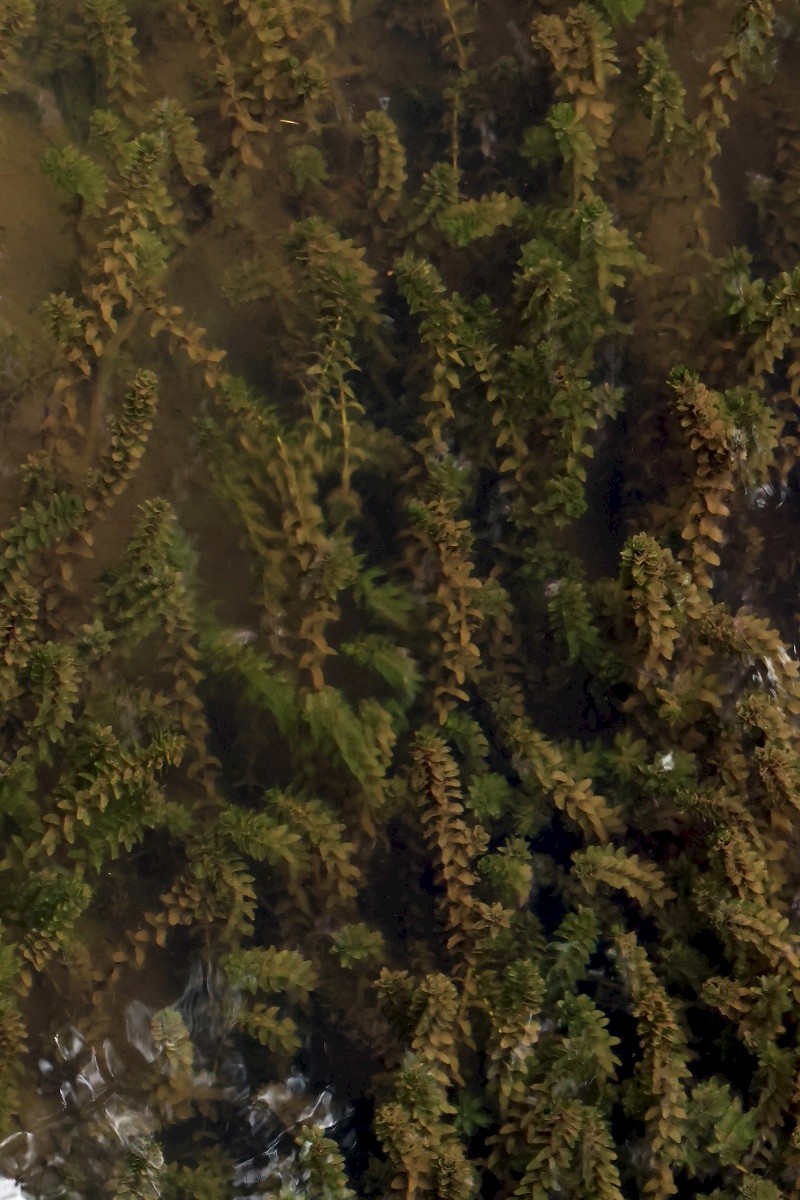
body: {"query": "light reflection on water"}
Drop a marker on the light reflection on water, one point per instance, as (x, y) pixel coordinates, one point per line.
(103, 1103)
(10, 1189)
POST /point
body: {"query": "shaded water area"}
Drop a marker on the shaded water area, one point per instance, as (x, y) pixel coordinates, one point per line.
(399, 770)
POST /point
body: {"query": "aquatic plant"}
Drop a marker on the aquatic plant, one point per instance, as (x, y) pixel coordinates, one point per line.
(386, 746)
(384, 163)
(16, 22)
(110, 38)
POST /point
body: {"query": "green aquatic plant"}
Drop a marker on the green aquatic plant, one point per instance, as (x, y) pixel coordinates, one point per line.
(110, 37)
(322, 1167)
(468, 220)
(663, 1068)
(259, 971)
(749, 49)
(141, 1174)
(384, 163)
(265, 62)
(76, 175)
(438, 190)
(435, 784)
(665, 94)
(423, 1152)
(428, 742)
(16, 21)
(127, 439)
(308, 167)
(184, 146)
(583, 58)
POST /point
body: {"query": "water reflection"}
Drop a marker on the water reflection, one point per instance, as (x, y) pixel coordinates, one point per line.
(173, 1085)
(10, 1190)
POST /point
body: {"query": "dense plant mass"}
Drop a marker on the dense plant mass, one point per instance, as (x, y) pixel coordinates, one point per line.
(408, 658)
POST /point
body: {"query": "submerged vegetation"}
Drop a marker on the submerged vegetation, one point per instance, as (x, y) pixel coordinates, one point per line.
(451, 751)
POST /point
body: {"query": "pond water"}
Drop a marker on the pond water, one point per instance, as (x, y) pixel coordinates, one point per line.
(398, 750)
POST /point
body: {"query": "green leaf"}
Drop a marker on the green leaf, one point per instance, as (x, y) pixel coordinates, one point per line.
(76, 175)
(622, 11)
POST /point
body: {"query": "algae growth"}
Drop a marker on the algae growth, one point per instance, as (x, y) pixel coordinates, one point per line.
(399, 748)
